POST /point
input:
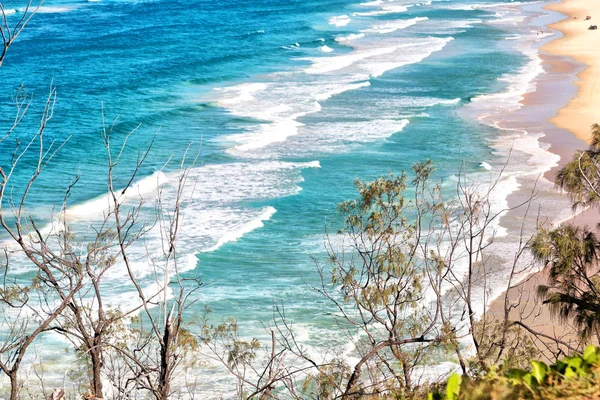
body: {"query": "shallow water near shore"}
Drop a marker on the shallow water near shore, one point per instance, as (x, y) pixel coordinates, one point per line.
(290, 102)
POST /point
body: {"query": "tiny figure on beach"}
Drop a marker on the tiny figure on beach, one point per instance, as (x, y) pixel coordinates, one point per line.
(587, 18)
(593, 27)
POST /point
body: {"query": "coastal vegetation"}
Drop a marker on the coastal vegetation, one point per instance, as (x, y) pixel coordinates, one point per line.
(407, 273)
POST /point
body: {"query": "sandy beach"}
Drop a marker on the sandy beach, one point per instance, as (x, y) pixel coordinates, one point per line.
(581, 45)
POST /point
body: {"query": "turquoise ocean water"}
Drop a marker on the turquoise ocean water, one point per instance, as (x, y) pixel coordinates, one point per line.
(291, 101)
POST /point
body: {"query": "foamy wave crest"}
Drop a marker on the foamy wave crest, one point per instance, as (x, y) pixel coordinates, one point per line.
(341, 89)
(281, 104)
(340, 21)
(414, 102)
(511, 20)
(482, 6)
(386, 9)
(405, 54)
(234, 235)
(9, 11)
(486, 166)
(212, 213)
(518, 85)
(328, 64)
(325, 49)
(266, 134)
(375, 56)
(349, 38)
(467, 23)
(340, 137)
(393, 26)
(224, 184)
(278, 103)
(372, 3)
(240, 93)
(49, 9)
(291, 46)
(145, 188)
(335, 134)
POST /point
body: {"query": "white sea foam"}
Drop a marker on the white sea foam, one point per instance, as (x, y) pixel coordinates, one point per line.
(234, 235)
(386, 9)
(145, 188)
(375, 58)
(339, 136)
(481, 6)
(527, 158)
(349, 38)
(372, 3)
(328, 64)
(240, 93)
(9, 11)
(281, 100)
(266, 134)
(405, 54)
(414, 102)
(340, 21)
(467, 23)
(517, 86)
(341, 89)
(512, 20)
(486, 166)
(211, 216)
(49, 9)
(281, 104)
(393, 26)
(325, 49)
(333, 135)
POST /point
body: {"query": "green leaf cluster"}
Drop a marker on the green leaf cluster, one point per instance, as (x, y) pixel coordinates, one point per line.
(574, 377)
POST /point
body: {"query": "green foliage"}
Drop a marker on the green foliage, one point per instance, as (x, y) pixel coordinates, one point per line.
(575, 377)
(382, 273)
(573, 290)
(501, 344)
(453, 387)
(323, 384)
(581, 176)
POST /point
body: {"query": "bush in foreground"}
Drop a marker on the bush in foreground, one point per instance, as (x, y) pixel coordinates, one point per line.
(575, 377)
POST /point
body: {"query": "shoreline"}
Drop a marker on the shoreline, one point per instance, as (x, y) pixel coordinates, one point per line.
(571, 69)
(580, 44)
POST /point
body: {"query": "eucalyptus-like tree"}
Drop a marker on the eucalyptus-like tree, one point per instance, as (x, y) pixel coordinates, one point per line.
(403, 274)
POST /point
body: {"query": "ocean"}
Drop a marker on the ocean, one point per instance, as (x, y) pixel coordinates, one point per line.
(288, 103)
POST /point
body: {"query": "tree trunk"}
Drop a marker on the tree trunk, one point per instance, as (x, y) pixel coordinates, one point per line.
(164, 384)
(96, 357)
(14, 385)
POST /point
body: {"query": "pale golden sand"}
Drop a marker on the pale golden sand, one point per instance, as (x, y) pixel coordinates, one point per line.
(583, 45)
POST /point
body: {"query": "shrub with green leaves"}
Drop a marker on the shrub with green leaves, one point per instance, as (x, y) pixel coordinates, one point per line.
(575, 377)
